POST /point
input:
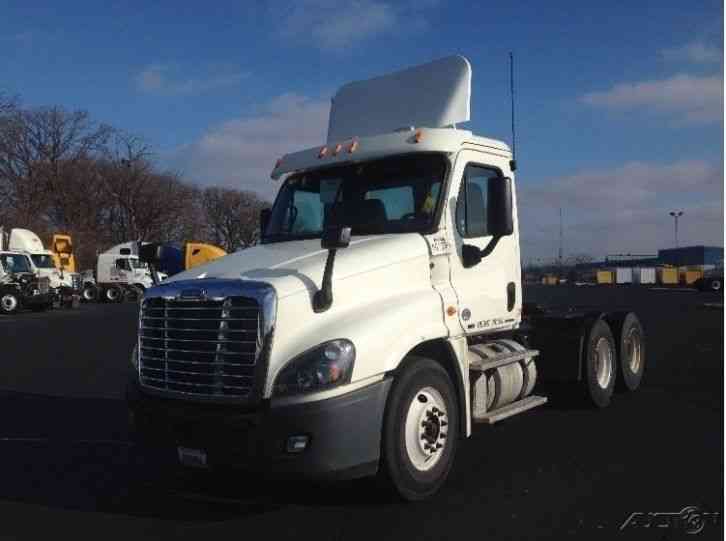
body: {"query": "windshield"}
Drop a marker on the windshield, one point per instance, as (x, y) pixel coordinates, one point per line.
(393, 195)
(43, 261)
(15, 263)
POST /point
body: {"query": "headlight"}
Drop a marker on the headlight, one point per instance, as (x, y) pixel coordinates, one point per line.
(323, 367)
(135, 357)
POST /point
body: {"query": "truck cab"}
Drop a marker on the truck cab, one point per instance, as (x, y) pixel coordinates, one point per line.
(378, 319)
(64, 285)
(20, 286)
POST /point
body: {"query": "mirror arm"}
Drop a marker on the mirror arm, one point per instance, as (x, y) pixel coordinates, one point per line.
(489, 248)
(323, 298)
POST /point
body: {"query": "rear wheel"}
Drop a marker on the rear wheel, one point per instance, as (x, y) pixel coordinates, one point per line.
(600, 364)
(420, 430)
(9, 303)
(714, 284)
(90, 293)
(630, 340)
(113, 294)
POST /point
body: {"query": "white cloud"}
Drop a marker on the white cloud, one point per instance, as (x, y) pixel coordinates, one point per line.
(696, 52)
(624, 209)
(158, 79)
(694, 98)
(241, 153)
(335, 25)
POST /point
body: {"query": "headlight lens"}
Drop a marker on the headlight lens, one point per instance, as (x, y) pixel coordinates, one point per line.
(326, 366)
(135, 357)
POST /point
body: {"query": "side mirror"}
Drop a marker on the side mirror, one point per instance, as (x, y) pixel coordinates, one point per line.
(265, 215)
(335, 238)
(471, 255)
(499, 207)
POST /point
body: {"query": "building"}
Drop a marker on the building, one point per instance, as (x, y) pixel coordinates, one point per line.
(676, 257)
(691, 255)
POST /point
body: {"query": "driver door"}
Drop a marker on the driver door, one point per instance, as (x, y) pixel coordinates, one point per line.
(489, 292)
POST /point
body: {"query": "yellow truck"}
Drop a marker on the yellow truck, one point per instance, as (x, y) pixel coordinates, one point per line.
(62, 248)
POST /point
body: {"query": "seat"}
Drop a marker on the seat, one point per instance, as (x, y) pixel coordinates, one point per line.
(366, 216)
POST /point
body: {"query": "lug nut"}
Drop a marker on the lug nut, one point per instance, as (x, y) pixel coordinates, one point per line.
(444, 423)
(442, 435)
(439, 446)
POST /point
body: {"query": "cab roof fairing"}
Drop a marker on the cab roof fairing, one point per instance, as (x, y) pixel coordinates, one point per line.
(443, 140)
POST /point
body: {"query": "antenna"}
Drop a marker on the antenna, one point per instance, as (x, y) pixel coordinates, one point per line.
(560, 250)
(513, 161)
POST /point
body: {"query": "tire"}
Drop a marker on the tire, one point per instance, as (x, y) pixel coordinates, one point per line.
(714, 284)
(90, 293)
(600, 359)
(421, 394)
(135, 293)
(630, 340)
(9, 303)
(113, 294)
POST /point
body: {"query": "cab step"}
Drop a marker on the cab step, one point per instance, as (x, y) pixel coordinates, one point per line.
(509, 410)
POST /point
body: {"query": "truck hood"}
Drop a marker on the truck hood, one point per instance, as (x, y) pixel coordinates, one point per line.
(296, 265)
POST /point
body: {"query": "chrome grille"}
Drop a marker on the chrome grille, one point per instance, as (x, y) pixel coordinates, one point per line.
(200, 347)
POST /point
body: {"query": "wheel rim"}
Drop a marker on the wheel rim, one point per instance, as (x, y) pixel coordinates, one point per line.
(603, 362)
(111, 294)
(633, 347)
(9, 303)
(716, 285)
(426, 428)
(87, 294)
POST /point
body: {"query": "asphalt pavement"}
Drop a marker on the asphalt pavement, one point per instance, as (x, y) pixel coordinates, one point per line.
(563, 470)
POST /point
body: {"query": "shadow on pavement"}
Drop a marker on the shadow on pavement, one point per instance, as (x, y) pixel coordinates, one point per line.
(75, 454)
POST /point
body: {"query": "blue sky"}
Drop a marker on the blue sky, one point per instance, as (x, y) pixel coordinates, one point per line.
(620, 104)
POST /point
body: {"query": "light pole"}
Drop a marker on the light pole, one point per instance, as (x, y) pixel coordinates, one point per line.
(676, 214)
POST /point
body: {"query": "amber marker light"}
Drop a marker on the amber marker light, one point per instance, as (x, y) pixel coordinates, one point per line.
(451, 311)
(353, 146)
(338, 148)
(418, 136)
(323, 152)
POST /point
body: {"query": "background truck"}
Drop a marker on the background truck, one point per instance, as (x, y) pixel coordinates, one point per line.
(119, 275)
(380, 318)
(65, 285)
(20, 287)
(177, 257)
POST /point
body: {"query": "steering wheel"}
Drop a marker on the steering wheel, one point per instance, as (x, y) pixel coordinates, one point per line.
(409, 216)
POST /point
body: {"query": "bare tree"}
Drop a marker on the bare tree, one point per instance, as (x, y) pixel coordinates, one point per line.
(36, 149)
(232, 216)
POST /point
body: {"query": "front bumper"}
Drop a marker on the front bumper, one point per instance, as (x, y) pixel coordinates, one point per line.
(344, 432)
(41, 299)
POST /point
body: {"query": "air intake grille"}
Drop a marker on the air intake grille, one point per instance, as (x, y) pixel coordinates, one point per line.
(203, 348)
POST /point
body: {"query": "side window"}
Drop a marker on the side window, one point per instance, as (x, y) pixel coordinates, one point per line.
(123, 264)
(398, 201)
(471, 208)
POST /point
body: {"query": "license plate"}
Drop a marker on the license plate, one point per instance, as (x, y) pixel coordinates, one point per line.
(196, 458)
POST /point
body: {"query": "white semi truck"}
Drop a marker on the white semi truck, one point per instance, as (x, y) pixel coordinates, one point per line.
(119, 273)
(65, 286)
(380, 319)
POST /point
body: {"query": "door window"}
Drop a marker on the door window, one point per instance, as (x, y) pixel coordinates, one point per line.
(471, 208)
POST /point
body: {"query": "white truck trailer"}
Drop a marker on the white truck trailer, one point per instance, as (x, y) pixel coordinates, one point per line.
(65, 286)
(381, 317)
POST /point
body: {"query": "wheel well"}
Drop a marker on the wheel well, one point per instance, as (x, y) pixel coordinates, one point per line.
(441, 351)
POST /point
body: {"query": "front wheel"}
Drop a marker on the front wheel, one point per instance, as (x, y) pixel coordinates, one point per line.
(9, 303)
(420, 430)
